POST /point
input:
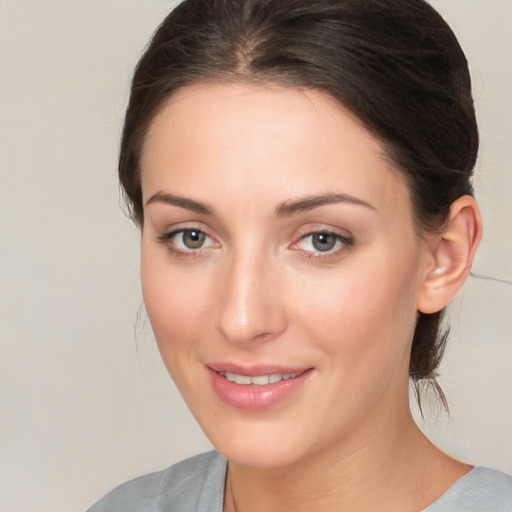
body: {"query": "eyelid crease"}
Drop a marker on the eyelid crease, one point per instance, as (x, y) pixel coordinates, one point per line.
(345, 239)
(343, 243)
(312, 228)
(166, 237)
(347, 243)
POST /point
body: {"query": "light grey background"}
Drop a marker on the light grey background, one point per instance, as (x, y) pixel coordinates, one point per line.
(85, 401)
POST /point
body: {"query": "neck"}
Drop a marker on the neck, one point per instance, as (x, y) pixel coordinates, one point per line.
(391, 467)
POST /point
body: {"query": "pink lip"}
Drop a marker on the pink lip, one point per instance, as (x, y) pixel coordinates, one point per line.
(252, 397)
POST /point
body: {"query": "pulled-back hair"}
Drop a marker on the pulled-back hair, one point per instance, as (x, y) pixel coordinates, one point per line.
(395, 64)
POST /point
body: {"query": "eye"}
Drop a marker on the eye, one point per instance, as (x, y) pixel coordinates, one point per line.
(191, 238)
(186, 241)
(322, 242)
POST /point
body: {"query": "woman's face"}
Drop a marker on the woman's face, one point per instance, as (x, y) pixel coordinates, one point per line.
(280, 269)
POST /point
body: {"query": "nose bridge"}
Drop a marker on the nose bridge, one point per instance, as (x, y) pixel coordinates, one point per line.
(249, 308)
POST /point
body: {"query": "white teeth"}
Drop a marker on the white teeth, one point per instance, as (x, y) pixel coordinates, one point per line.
(258, 380)
(243, 379)
(261, 380)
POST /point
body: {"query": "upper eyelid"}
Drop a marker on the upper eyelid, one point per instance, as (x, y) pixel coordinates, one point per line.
(346, 239)
(300, 234)
(325, 231)
(307, 230)
(166, 235)
(342, 238)
(185, 226)
(166, 239)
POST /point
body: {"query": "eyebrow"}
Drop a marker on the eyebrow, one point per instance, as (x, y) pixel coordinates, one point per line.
(285, 209)
(182, 202)
(310, 202)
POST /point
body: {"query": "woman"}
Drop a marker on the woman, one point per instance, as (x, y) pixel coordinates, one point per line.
(301, 175)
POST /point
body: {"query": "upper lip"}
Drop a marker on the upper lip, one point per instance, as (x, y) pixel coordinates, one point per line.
(255, 370)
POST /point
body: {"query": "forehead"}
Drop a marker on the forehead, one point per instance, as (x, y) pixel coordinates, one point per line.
(256, 142)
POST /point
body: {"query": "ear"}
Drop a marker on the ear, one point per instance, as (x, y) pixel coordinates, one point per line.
(451, 255)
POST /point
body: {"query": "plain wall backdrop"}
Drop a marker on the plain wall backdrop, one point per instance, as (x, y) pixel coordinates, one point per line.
(85, 401)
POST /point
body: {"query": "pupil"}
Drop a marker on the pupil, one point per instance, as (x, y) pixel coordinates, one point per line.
(323, 241)
(193, 239)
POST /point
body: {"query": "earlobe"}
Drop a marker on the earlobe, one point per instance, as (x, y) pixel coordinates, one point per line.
(452, 253)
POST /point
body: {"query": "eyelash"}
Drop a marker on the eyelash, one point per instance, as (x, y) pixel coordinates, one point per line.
(166, 239)
(343, 241)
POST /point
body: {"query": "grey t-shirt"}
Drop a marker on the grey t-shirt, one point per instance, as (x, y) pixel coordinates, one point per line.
(197, 485)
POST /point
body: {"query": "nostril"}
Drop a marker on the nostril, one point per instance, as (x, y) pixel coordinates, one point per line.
(248, 323)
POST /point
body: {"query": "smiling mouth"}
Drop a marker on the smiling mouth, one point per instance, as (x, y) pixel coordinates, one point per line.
(259, 380)
(256, 388)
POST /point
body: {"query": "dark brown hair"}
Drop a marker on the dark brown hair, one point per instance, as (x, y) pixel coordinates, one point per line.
(395, 64)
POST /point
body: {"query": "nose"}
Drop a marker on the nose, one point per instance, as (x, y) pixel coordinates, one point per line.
(249, 308)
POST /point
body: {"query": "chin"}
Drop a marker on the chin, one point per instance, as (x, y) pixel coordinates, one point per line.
(258, 456)
(258, 443)
(267, 443)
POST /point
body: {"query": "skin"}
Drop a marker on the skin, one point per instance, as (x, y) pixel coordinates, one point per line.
(258, 291)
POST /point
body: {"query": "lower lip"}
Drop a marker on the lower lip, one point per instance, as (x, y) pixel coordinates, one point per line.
(256, 398)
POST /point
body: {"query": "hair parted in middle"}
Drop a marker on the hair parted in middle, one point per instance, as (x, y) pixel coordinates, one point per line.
(394, 64)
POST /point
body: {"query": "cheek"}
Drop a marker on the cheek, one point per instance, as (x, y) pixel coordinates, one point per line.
(176, 306)
(363, 317)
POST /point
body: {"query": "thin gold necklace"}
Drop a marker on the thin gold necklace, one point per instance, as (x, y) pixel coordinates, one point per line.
(230, 478)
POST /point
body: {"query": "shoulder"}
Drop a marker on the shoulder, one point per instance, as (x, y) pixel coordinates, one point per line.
(482, 489)
(189, 485)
